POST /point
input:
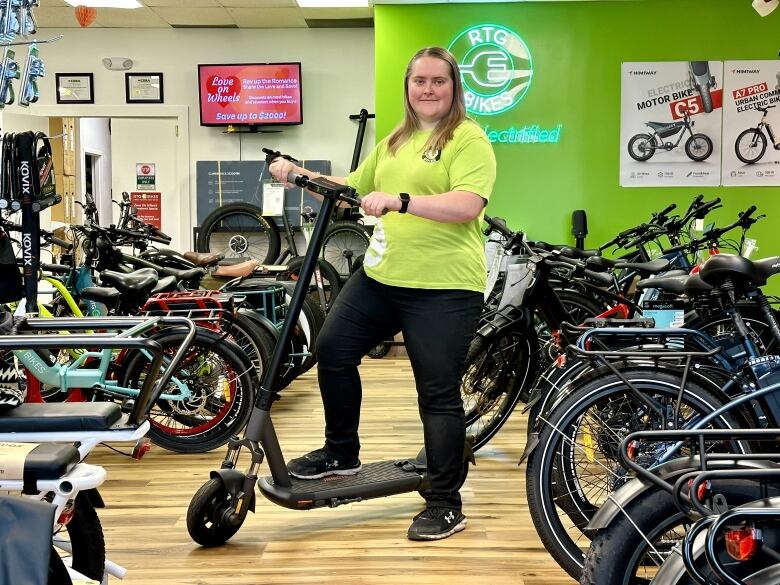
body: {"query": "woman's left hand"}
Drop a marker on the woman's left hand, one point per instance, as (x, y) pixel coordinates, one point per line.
(377, 203)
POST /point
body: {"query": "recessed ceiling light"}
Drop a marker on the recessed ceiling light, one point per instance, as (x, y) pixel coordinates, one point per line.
(106, 3)
(332, 3)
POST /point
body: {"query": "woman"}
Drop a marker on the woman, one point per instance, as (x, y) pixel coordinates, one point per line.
(423, 275)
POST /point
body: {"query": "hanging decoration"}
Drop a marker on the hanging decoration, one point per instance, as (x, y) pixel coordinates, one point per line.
(85, 15)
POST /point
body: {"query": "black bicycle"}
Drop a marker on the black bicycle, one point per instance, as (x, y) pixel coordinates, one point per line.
(642, 147)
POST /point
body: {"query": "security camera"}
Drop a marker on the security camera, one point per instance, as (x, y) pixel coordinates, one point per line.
(765, 7)
(121, 63)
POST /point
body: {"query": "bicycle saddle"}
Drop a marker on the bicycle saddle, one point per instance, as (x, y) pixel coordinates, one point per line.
(61, 417)
(136, 283)
(652, 267)
(577, 253)
(721, 266)
(203, 260)
(671, 284)
(181, 275)
(661, 125)
(237, 270)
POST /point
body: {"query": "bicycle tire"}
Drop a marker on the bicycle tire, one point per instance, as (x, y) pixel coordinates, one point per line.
(228, 229)
(695, 139)
(229, 394)
(253, 341)
(643, 153)
(752, 134)
(88, 555)
(618, 551)
(331, 280)
(344, 242)
(496, 371)
(552, 480)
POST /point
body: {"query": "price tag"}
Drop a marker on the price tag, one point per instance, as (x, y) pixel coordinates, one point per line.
(273, 198)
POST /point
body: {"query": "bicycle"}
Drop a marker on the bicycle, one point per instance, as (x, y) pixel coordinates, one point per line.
(642, 147)
(750, 145)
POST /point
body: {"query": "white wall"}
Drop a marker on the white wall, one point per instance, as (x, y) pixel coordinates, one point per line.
(338, 80)
(95, 138)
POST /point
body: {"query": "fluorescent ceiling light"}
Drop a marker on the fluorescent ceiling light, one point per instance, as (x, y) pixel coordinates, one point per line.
(332, 3)
(106, 3)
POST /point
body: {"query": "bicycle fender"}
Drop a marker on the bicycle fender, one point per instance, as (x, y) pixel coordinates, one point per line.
(530, 445)
(234, 482)
(633, 491)
(261, 320)
(94, 498)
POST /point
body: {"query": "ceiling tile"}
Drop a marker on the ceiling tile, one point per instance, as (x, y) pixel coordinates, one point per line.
(268, 17)
(139, 17)
(195, 16)
(258, 3)
(182, 3)
(366, 12)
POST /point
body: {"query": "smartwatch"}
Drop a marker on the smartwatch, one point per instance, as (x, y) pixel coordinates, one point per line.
(404, 202)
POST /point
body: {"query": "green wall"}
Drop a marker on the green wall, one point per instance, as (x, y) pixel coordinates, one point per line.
(577, 49)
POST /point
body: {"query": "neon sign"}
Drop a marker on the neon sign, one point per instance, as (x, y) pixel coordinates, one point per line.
(495, 66)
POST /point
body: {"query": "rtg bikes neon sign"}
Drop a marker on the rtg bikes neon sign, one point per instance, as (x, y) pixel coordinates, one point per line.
(497, 70)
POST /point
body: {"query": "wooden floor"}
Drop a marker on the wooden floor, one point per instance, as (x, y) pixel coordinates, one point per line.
(362, 543)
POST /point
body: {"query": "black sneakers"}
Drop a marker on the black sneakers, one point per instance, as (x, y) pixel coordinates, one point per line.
(321, 463)
(435, 523)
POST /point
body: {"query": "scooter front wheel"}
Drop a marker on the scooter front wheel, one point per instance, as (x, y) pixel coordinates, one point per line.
(205, 515)
(698, 147)
(750, 146)
(641, 147)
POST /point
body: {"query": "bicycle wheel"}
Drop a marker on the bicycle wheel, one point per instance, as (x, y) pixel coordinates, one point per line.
(640, 147)
(344, 242)
(575, 465)
(620, 553)
(330, 281)
(750, 146)
(698, 147)
(253, 341)
(496, 371)
(240, 232)
(215, 387)
(80, 542)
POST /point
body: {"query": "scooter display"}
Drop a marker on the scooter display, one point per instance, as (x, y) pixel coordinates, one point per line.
(750, 145)
(642, 147)
(218, 509)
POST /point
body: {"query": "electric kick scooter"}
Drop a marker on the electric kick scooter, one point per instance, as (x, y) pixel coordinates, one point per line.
(218, 509)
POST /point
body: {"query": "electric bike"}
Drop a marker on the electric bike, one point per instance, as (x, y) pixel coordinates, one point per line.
(751, 143)
(642, 147)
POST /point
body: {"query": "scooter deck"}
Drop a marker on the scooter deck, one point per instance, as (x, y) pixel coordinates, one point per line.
(374, 480)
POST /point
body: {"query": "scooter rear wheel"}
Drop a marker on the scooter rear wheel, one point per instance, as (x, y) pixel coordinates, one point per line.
(204, 515)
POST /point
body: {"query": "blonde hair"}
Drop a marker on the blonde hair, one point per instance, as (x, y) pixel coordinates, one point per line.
(446, 126)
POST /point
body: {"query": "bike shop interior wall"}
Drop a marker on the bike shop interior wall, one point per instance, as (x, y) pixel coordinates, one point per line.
(338, 72)
(577, 50)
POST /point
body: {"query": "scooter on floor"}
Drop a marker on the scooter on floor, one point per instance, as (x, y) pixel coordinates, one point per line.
(218, 509)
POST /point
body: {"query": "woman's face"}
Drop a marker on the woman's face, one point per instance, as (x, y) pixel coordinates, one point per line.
(430, 89)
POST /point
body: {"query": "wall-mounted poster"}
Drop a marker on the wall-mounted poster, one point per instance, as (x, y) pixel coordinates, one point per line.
(670, 123)
(751, 123)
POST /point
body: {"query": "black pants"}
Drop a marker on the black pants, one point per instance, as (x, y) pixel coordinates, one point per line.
(438, 326)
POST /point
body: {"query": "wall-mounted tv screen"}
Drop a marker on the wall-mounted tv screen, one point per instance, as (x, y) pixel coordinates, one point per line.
(253, 94)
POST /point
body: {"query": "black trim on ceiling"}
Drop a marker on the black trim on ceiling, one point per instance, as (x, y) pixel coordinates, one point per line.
(340, 22)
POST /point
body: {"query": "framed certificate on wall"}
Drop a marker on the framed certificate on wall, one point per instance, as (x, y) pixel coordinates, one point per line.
(144, 88)
(75, 88)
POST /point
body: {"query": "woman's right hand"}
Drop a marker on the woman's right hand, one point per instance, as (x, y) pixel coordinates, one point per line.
(281, 168)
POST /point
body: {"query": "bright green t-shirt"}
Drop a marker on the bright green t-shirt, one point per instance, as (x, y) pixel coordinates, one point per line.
(415, 252)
